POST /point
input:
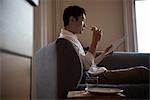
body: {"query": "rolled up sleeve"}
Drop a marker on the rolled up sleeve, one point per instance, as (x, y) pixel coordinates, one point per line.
(88, 60)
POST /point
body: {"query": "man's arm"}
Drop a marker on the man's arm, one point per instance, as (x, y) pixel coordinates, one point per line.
(92, 48)
(97, 33)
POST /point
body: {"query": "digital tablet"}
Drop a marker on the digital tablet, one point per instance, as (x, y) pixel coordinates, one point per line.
(116, 44)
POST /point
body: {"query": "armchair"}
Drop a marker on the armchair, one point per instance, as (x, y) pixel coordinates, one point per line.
(57, 70)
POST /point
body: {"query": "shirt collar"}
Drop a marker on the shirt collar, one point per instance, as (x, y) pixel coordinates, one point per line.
(68, 33)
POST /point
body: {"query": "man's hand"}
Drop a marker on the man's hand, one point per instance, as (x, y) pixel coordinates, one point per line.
(104, 54)
(97, 34)
(107, 50)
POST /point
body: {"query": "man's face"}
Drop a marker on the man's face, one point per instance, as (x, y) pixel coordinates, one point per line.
(80, 24)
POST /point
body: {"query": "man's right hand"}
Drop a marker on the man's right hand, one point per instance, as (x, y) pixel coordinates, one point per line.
(107, 52)
(97, 34)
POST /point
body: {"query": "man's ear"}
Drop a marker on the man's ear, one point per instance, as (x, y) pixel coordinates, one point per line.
(71, 19)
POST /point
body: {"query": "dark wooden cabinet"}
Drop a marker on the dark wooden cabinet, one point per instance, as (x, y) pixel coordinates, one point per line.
(15, 77)
(16, 46)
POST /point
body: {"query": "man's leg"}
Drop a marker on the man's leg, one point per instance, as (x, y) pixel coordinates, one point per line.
(133, 75)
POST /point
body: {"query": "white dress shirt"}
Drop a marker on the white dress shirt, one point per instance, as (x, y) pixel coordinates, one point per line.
(86, 59)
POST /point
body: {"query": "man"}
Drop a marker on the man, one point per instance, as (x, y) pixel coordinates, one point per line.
(74, 23)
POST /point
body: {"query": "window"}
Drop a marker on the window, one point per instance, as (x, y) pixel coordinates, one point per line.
(142, 9)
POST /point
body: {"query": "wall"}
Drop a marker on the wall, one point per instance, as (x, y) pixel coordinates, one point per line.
(105, 14)
(44, 23)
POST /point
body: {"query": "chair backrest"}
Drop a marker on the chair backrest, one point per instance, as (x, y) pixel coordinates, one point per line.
(58, 70)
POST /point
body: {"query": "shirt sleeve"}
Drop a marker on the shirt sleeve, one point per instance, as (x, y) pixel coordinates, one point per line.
(88, 60)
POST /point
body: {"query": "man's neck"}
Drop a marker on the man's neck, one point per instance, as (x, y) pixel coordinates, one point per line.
(69, 29)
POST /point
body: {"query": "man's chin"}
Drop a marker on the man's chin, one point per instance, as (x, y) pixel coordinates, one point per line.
(81, 32)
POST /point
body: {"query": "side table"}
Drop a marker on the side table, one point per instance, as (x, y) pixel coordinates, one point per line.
(82, 94)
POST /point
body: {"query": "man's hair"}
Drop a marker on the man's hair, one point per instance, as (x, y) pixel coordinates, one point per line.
(74, 11)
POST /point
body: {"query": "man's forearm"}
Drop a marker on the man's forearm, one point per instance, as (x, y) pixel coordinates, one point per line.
(92, 48)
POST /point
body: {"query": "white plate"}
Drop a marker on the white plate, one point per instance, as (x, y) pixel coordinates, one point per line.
(104, 90)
